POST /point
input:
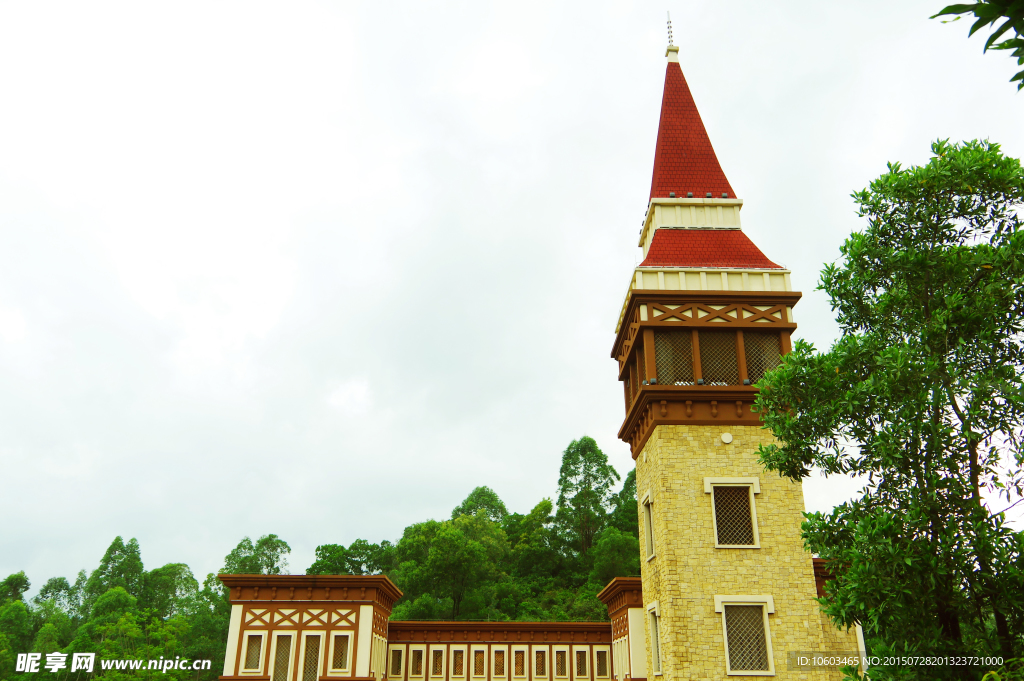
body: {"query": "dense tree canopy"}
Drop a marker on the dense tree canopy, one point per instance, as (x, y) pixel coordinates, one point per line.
(484, 563)
(923, 395)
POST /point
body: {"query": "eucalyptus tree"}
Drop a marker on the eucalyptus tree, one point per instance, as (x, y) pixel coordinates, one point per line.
(922, 395)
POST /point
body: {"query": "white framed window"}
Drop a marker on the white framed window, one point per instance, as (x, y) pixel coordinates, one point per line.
(540, 666)
(397, 663)
(582, 667)
(500, 662)
(340, 652)
(561, 662)
(733, 512)
(479, 662)
(458, 655)
(519, 662)
(601, 663)
(416, 656)
(436, 662)
(648, 512)
(654, 623)
(310, 656)
(252, 653)
(747, 635)
(281, 663)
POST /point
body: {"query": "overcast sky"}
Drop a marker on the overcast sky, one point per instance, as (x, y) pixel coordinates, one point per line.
(321, 269)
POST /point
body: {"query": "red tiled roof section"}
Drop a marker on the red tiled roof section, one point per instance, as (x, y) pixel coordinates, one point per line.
(705, 248)
(684, 160)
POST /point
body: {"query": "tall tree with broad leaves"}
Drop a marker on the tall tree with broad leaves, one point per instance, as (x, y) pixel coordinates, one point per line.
(584, 491)
(267, 556)
(482, 499)
(923, 396)
(1003, 16)
(120, 566)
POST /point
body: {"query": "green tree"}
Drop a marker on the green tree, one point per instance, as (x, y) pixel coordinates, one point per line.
(170, 590)
(266, 557)
(120, 566)
(990, 13)
(331, 559)
(616, 554)
(624, 515)
(482, 499)
(13, 586)
(923, 395)
(584, 492)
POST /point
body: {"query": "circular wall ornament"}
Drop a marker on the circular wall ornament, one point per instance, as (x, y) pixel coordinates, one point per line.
(726, 438)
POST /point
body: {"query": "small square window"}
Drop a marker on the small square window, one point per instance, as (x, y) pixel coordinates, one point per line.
(734, 512)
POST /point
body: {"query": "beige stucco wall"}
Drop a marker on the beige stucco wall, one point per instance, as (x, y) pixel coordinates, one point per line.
(687, 571)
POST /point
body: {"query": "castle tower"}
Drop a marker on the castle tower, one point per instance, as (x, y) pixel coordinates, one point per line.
(727, 587)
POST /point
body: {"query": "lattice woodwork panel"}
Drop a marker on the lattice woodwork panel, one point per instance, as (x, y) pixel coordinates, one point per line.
(311, 664)
(744, 630)
(478, 663)
(673, 353)
(541, 668)
(499, 663)
(602, 663)
(340, 658)
(417, 663)
(396, 663)
(560, 663)
(763, 351)
(520, 661)
(437, 663)
(253, 646)
(284, 649)
(732, 516)
(718, 358)
(581, 663)
(458, 663)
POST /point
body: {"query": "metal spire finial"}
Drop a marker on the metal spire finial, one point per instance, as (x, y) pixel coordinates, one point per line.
(669, 28)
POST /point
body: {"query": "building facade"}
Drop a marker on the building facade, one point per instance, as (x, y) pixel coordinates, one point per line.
(726, 588)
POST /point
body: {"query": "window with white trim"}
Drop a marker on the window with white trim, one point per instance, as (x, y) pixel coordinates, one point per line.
(339, 655)
(747, 637)
(655, 642)
(734, 514)
(648, 525)
(253, 648)
(396, 662)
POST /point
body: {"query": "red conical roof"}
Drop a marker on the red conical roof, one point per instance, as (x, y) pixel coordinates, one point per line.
(684, 160)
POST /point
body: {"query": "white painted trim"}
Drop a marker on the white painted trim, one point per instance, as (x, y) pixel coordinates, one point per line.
(234, 625)
(735, 482)
(745, 599)
(365, 641)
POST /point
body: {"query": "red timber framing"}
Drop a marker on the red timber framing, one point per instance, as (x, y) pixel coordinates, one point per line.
(650, 402)
(339, 611)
